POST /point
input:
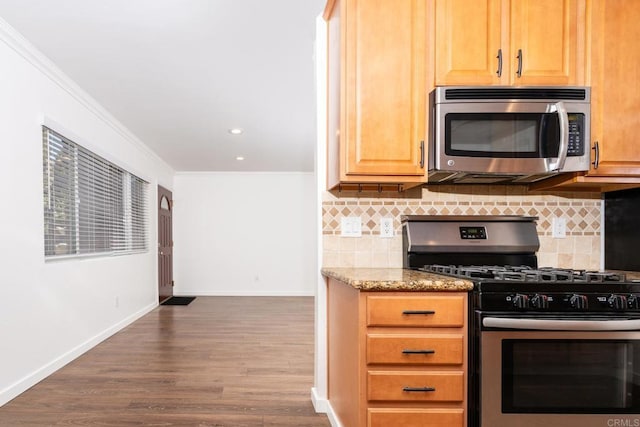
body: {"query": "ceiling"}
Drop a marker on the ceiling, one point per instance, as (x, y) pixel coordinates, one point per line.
(180, 73)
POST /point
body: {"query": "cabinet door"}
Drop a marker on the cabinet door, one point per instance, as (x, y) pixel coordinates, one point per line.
(468, 42)
(550, 37)
(384, 60)
(615, 86)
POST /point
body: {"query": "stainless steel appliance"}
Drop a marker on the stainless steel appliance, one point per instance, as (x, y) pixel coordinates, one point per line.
(507, 134)
(621, 231)
(548, 347)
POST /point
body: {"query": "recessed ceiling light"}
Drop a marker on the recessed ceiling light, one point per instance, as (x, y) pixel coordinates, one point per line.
(235, 131)
(239, 158)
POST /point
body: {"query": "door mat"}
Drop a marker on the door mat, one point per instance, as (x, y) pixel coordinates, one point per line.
(178, 301)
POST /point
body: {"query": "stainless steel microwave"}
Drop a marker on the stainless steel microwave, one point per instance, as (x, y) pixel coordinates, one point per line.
(501, 134)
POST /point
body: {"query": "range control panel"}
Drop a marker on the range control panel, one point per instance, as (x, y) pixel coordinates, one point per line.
(561, 302)
(473, 233)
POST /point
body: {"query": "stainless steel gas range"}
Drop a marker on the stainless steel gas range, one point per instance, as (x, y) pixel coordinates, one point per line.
(549, 347)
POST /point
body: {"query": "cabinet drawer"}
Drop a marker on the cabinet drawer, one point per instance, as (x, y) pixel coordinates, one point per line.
(415, 386)
(415, 417)
(418, 311)
(415, 349)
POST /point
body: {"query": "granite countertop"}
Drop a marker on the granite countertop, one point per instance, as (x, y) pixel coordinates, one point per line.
(396, 279)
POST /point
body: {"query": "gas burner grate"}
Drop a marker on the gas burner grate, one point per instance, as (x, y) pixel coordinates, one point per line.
(603, 276)
(477, 272)
(444, 269)
(526, 274)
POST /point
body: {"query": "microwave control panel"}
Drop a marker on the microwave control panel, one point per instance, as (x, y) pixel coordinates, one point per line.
(576, 134)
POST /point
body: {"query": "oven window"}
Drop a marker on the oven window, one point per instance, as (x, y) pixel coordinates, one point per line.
(505, 135)
(570, 376)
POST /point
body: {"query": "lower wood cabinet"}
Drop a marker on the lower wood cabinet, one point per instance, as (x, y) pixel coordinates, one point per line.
(397, 359)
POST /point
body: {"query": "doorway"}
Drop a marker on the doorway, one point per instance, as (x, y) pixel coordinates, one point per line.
(165, 244)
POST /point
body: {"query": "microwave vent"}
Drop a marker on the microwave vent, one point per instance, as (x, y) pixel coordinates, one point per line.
(532, 178)
(484, 179)
(445, 177)
(441, 176)
(547, 93)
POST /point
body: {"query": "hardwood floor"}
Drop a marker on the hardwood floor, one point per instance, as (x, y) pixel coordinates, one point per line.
(220, 361)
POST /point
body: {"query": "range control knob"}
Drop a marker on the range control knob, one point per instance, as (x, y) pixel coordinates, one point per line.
(540, 301)
(633, 302)
(617, 302)
(579, 302)
(520, 301)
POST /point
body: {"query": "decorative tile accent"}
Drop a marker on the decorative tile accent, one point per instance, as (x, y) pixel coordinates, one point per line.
(580, 249)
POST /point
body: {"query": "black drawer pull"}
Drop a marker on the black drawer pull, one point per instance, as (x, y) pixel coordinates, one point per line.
(418, 389)
(418, 351)
(408, 312)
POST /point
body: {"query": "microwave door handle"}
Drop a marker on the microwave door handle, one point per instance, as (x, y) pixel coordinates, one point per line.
(563, 148)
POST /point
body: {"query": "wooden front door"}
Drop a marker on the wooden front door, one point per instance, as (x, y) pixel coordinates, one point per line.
(165, 244)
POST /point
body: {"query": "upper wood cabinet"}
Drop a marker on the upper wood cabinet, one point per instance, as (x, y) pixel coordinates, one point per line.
(376, 91)
(517, 42)
(615, 104)
(615, 74)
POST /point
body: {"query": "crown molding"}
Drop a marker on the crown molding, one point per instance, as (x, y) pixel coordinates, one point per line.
(18, 43)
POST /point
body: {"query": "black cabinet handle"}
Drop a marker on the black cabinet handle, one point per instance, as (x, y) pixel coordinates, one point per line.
(519, 72)
(499, 71)
(418, 389)
(596, 155)
(418, 351)
(410, 312)
(421, 154)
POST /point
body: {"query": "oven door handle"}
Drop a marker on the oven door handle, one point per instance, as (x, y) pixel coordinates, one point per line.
(562, 325)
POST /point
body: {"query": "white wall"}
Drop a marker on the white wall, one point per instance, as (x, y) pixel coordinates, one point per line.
(51, 312)
(244, 233)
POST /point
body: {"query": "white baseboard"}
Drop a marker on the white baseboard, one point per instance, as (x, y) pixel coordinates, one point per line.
(323, 406)
(333, 418)
(319, 404)
(200, 293)
(35, 377)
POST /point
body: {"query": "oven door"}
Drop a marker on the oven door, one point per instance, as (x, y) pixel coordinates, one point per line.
(559, 372)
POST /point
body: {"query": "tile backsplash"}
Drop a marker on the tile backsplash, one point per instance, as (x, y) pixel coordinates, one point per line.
(580, 248)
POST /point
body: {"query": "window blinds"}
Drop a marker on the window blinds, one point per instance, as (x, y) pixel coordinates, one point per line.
(91, 206)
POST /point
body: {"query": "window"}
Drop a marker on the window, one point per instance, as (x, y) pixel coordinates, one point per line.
(91, 206)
